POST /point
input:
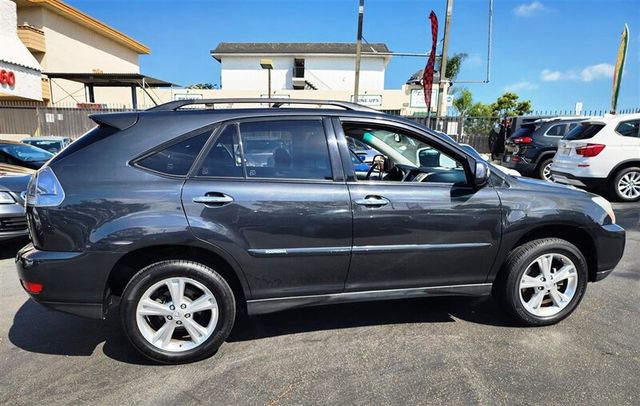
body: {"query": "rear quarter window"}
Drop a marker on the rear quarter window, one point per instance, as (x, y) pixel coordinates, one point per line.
(176, 159)
(629, 128)
(583, 132)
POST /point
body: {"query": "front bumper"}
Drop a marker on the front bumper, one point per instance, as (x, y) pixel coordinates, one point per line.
(73, 282)
(610, 241)
(582, 182)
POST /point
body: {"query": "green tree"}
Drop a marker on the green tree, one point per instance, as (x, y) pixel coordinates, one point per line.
(463, 101)
(509, 105)
(454, 63)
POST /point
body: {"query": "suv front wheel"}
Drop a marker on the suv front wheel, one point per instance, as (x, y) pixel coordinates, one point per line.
(177, 311)
(542, 281)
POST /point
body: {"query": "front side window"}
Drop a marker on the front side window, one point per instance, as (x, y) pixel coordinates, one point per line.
(408, 158)
(628, 128)
(176, 159)
(291, 149)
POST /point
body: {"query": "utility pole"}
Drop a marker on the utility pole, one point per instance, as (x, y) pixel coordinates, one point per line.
(443, 86)
(356, 87)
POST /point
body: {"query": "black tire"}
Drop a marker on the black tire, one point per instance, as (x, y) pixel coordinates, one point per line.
(159, 271)
(506, 288)
(540, 170)
(613, 185)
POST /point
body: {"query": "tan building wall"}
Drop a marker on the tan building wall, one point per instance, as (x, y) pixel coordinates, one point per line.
(74, 45)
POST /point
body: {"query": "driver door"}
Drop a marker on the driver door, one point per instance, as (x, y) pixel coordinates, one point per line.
(409, 234)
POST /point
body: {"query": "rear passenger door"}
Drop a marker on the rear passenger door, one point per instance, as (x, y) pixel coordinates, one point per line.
(271, 193)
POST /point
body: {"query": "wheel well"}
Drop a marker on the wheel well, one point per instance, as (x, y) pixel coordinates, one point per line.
(623, 165)
(575, 235)
(134, 261)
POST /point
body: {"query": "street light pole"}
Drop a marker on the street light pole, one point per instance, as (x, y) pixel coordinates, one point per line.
(356, 87)
(443, 86)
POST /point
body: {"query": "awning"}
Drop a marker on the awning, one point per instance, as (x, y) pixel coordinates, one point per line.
(111, 79)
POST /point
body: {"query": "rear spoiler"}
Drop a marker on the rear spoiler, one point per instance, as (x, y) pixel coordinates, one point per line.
(120, 121)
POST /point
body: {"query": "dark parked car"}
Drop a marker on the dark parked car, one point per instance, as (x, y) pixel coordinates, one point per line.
(19, 154)
(531, 148)
(159, 211)
(13, 188)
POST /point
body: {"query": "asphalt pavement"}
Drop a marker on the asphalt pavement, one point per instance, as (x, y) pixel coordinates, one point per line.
(427, 351)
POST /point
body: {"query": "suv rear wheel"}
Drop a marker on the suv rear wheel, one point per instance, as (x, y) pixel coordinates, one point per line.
(544, 170)
(542, 281)
(177, 311)
(626, 184)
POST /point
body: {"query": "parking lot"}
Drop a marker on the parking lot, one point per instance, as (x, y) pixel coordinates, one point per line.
(457, 350)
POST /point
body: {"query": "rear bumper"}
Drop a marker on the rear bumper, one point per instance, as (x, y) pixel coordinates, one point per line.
(610, 241)
(73, 282)
(521, 166)
(579, 181)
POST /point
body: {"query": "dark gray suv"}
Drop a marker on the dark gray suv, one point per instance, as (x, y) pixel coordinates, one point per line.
(185, 218)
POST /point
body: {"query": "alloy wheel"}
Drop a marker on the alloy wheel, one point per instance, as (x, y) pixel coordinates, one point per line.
(629, 185)
(546, 173)
(177, 314)
(548, 285)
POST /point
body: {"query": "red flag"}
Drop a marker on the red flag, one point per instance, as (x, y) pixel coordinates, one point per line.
(427, 74)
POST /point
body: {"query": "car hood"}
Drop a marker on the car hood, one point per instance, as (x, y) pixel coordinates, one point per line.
(16, 184)
(14, 170)
(550, 187)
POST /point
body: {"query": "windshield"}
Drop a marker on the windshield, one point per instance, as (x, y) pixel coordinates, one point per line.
(26, 153)
(583, 132)
(51, 146)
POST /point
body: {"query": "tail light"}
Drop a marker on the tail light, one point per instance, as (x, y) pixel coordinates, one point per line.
(523, 140)
(590, 150)
(44, 190)
(31, 287)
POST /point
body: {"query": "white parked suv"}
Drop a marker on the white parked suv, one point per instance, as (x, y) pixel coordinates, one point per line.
(602, 154)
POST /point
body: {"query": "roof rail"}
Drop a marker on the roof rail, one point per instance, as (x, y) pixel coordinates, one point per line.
(275, 103)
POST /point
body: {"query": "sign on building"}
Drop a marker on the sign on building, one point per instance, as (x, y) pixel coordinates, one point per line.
(416, 99)
(371, 100)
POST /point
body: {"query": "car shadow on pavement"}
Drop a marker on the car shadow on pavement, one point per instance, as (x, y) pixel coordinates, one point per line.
(40, 330)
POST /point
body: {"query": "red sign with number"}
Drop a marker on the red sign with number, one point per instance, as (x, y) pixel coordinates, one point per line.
(7, 77)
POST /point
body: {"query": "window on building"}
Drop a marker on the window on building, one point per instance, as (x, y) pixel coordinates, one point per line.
(298, 68)
(177, 158)
(294, 149)
(223, 159)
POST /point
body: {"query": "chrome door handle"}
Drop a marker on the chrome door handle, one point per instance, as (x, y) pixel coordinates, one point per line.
(372, 201)
(217, 199)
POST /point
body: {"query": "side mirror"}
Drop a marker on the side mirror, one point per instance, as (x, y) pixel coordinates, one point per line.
(481, 174)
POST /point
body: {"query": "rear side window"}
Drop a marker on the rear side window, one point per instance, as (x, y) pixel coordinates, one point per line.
(176, 159)
(628, 128)
(291, 149)
(556, 131)
(583, 132)
(223, 159)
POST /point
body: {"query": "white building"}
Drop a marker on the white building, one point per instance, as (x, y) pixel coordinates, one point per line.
(301, 66)
(20, 72)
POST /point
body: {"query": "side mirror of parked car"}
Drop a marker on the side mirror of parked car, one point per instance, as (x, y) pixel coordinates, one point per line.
(481, 174)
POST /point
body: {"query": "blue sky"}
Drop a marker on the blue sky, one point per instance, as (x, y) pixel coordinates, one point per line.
(552, 52)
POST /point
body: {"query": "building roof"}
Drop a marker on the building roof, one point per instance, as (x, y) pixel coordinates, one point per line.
(110, 79)
(294, 48)
(79, 17)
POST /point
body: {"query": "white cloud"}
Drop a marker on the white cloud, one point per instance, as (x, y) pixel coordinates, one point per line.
(529, 9)
(586, 74)
(523, 85)
(599, 71)
(550, 75)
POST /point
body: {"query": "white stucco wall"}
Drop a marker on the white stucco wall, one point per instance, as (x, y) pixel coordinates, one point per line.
(15, 58)
(323, 71)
